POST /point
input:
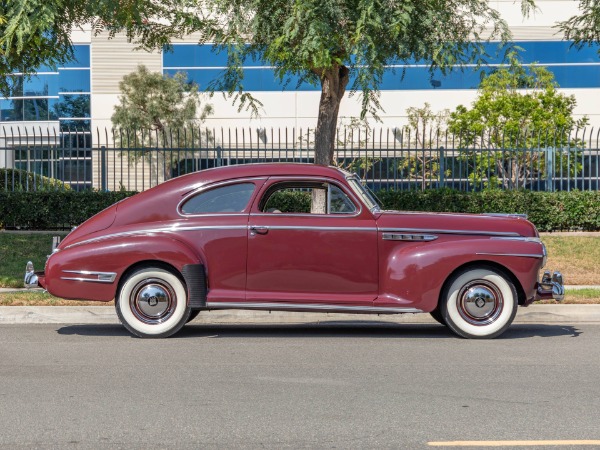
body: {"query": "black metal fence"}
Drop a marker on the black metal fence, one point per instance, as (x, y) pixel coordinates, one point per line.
(34, 159)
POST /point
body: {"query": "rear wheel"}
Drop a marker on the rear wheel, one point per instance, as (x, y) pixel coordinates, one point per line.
(152, 303)
(479, 303)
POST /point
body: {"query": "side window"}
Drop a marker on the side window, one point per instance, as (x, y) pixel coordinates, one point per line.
(224, 199)
(339, 203)
(307, 198)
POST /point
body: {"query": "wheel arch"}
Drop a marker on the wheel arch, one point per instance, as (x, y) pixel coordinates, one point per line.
(146, 264)
(484, 264)
(193, 277)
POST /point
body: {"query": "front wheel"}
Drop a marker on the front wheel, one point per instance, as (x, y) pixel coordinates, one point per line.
(152, 303)
(479, 303)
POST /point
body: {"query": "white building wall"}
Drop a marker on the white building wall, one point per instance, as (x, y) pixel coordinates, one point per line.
(112, 59)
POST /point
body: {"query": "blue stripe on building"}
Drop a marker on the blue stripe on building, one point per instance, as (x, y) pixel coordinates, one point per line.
(572, 68)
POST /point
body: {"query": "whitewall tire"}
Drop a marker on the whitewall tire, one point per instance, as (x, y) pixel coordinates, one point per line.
(152, 303)
(479, 303)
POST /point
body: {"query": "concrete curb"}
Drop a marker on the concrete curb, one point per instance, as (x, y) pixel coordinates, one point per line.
(567, 314)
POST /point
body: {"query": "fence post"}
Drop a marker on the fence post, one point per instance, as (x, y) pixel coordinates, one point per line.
(103, 169)
(219, 156)
(549, 169)
(442, 167)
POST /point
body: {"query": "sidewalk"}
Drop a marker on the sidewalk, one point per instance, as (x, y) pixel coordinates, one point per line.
(563, 314)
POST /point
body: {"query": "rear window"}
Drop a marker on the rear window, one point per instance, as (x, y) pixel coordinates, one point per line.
(223, 199)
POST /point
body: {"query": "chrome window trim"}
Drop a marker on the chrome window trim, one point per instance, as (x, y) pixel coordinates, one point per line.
(521, 255)
(312, 306)
(442, 231)
(102, 277)
(376, 208)
(200, 189)
(308, 178)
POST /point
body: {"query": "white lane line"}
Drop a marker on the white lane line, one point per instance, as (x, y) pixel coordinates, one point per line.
(511, 443)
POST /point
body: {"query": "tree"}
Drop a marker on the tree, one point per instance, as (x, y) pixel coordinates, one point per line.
(425, 132)
(584, 28)
(342, 45)
(516, 108)
(334, 44)
(157, 111)
(34, 33)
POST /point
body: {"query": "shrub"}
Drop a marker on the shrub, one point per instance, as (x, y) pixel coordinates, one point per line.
(48, 210)
(549, 211)
(21, 180)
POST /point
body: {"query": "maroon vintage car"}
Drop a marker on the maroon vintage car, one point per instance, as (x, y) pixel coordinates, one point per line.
(295, 237)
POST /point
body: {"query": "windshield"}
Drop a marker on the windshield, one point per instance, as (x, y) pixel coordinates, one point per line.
(362, 192)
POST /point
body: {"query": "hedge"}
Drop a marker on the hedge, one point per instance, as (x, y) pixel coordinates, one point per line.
(549, 211)
(48, 210)
(21, 180)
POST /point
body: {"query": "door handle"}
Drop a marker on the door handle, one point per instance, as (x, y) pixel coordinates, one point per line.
(254, 230)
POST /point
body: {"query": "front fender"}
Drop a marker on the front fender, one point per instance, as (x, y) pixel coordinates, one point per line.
(413, 273)
(92, 270)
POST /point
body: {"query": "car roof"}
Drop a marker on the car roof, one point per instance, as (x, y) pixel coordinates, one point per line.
(209, 176)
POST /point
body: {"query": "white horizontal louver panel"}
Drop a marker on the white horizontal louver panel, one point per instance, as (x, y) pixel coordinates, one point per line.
(528, 33)
(114, 58)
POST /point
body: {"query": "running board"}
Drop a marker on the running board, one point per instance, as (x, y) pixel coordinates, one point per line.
(311, 307)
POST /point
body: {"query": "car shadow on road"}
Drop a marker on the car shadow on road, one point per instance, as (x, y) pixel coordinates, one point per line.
(367, 329)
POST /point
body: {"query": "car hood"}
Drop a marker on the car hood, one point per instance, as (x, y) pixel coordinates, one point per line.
(467, 224)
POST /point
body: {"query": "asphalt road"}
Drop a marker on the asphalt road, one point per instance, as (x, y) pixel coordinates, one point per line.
(293, 386)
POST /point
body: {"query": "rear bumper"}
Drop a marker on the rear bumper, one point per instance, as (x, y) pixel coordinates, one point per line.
(34, 279)
(551, 287)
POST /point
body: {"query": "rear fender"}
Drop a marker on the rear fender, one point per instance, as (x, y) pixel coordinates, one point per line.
(96, 267)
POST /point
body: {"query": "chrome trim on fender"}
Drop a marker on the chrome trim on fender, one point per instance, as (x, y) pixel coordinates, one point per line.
(158, 230)
(520, 216)
(522, 255)
(519, 238)
(408, 237)
(315, 307)
(101, 277)
(442, 231)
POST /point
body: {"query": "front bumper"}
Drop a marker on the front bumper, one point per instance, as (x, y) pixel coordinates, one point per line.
(551, 287)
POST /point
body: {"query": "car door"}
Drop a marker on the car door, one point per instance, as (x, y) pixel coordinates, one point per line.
(311, 242)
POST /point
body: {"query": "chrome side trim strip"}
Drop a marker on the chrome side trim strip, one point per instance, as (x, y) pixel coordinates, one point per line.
(520, 216)
(310, 306)
(442, 231)
(408, 237)
(101, 277)
(159, 230)
(522, 255)
(293, 227)
(520, 238)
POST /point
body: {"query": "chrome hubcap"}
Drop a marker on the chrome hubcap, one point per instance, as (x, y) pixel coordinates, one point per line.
(153, 301)
(480, 302)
